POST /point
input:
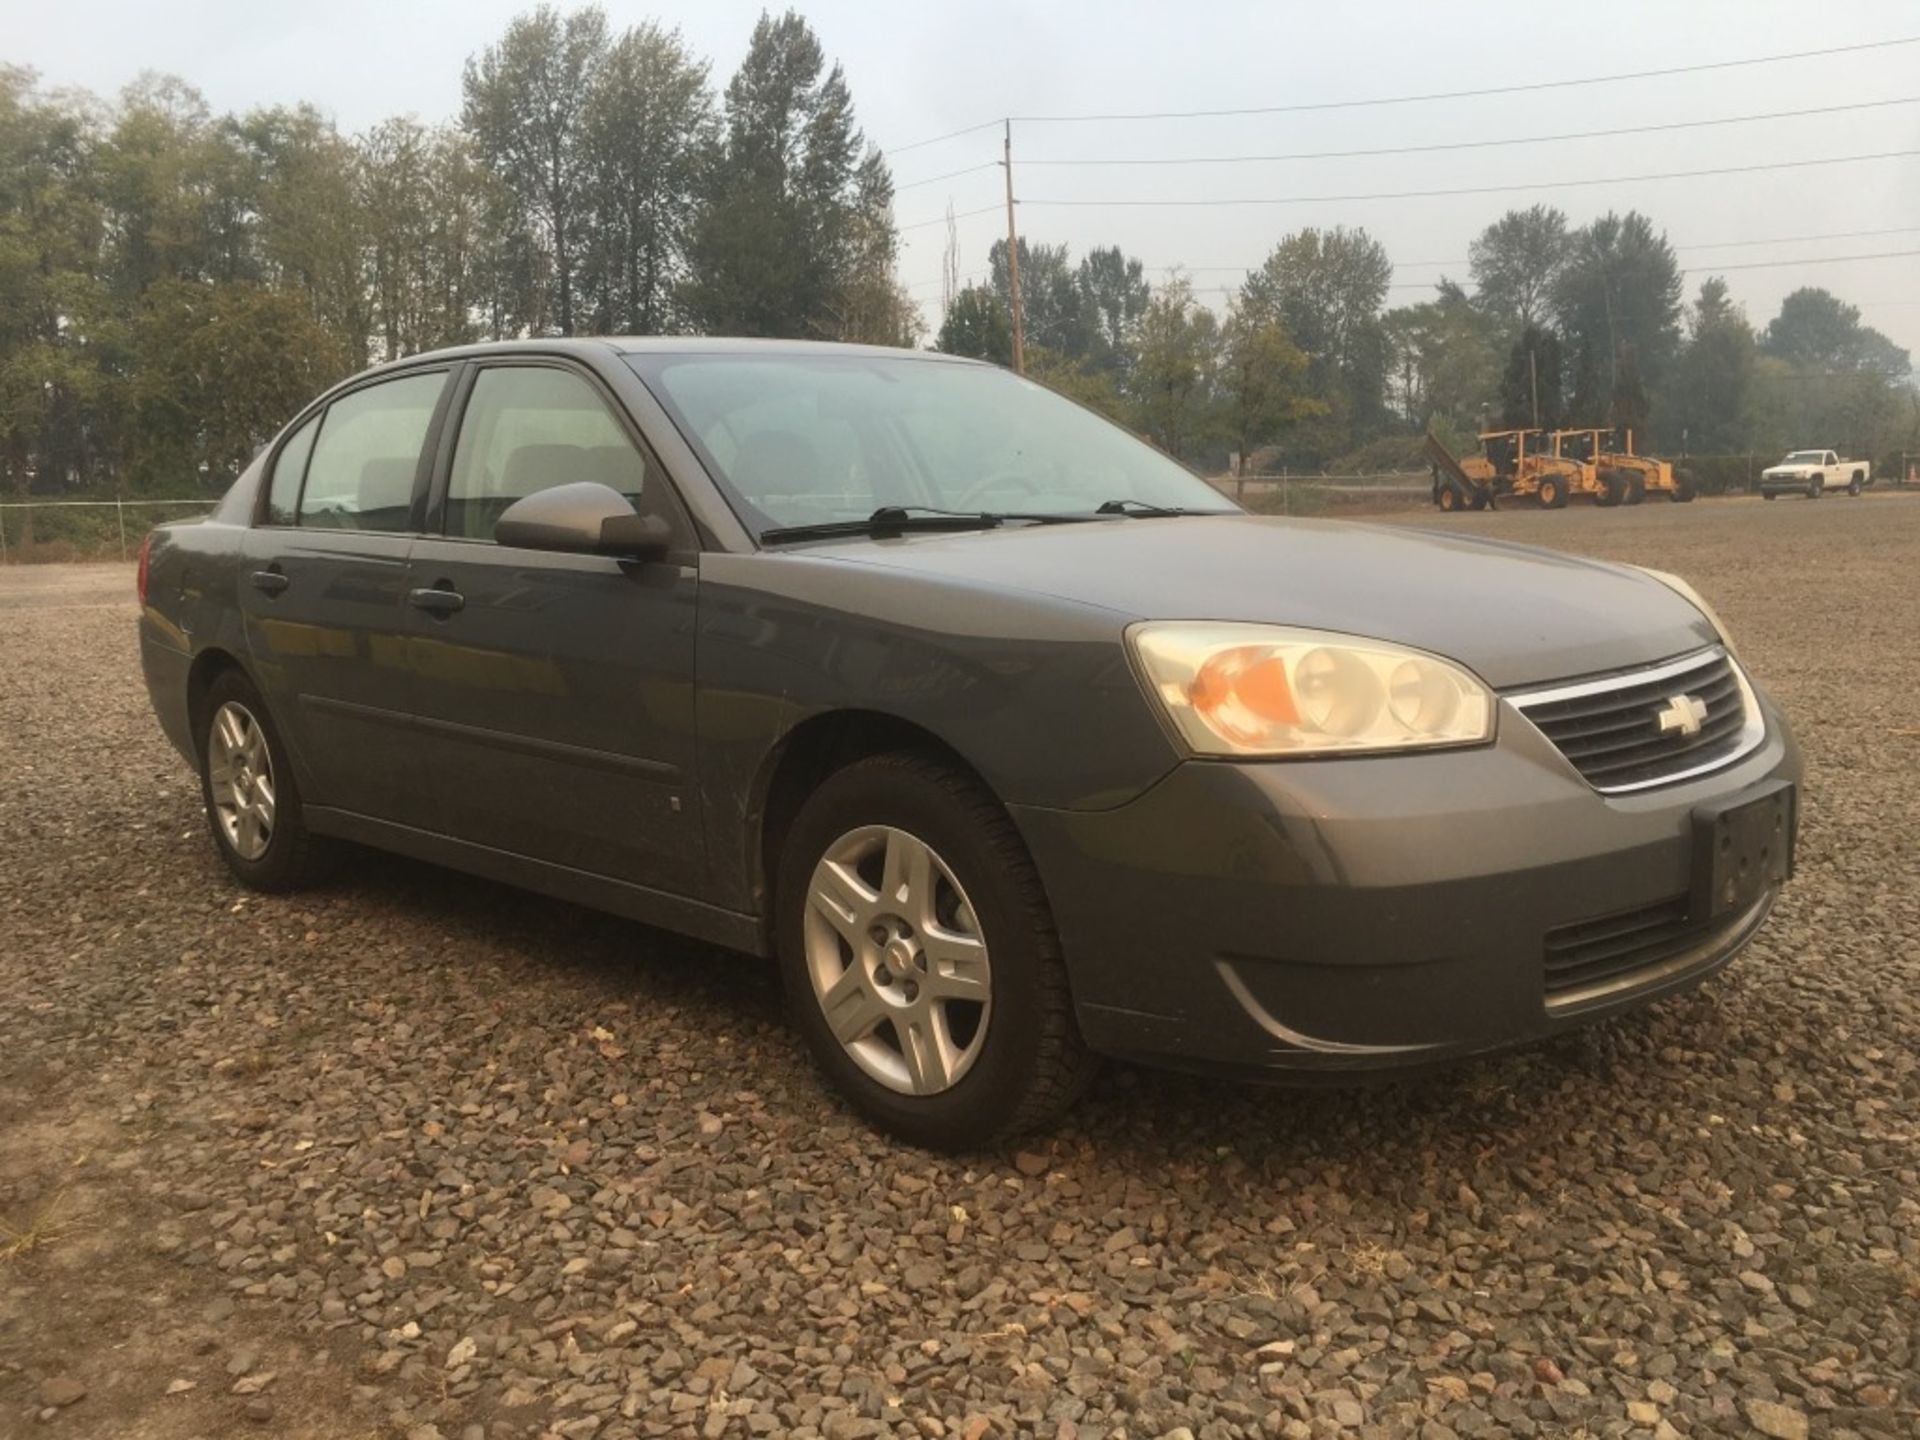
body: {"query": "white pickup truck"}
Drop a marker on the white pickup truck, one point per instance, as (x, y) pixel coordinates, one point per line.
(1809, 472)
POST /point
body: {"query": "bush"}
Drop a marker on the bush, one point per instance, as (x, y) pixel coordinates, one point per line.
(1722, 474)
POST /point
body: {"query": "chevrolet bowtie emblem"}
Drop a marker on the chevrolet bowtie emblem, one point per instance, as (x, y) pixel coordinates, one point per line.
(1683, 715)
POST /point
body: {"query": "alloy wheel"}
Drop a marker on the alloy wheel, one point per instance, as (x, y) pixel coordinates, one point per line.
(897, 960)
(240, 780)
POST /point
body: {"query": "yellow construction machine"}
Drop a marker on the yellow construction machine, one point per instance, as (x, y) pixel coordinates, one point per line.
(1512, 464)
(1621, 476)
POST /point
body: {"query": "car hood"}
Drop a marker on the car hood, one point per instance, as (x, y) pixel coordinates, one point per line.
(1513, 614)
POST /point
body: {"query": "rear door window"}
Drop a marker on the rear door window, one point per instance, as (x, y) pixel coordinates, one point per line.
(363, 466)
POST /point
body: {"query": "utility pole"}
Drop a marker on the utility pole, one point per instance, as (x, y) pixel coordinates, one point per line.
(1533, 376)
(1013, 263)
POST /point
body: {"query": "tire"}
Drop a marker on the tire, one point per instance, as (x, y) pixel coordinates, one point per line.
(1855, 485)
(1683, 488)
(1448, 499)
(264, 839)
(1010, 1063)
(1480, 500)
(1612, 491)
(1636, 488)
(1816, 487)
(1553, 493)
(1767, 494)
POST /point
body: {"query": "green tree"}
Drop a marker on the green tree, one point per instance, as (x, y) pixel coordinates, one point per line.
(1261, 374)
(1175, 364)
(1055, 312)
(221, 367)
(1115, 292)
(976, 325)
(1816, 330)
(525, 102)
(1326, 288)
(1619, 288)
(1531, 384)
(1444, 360)
(1713, 378)
(1515, 262)
(56, 318)
(649, 119)
(790, 207)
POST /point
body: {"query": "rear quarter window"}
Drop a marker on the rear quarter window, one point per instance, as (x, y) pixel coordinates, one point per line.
(283, 489)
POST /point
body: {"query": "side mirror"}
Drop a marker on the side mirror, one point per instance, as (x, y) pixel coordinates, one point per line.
(585, 518)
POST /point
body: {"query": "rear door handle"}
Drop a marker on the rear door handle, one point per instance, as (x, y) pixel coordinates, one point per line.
(440, 599)
(270, 582)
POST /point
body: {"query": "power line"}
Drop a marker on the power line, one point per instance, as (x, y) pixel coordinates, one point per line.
(1797, 239)
(942, 219)
(1808, 260)
(1700, 245)
(1469, 144)
(950, 135)
(1462, 94)
(935, 179)
(1409, 99)
(1488, 189)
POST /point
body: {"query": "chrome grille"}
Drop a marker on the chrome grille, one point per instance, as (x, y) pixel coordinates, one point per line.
(1650, 726)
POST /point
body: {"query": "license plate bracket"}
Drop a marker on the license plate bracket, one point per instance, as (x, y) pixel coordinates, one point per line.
(1741, 847)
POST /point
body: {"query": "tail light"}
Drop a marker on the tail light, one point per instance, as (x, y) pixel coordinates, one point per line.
(140, 575)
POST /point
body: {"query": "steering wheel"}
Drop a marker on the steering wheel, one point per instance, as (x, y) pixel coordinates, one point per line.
(970, 498)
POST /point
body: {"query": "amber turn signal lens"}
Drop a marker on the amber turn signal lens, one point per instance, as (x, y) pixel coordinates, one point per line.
(1249, 678)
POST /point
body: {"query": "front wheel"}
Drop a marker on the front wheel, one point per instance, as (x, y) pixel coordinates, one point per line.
(1448, 499)
(920, 958)
(251, 796)
(1553, 493)
(1815, 487)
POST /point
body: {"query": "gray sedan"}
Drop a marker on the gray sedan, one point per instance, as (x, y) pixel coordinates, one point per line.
(1012, 741)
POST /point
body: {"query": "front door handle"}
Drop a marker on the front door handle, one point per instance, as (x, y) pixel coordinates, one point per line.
(270, 582)
(441, 599)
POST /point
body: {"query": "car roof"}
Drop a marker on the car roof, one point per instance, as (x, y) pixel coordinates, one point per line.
(669, 345)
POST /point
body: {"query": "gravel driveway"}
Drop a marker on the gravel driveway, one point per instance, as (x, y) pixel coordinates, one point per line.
(412, 1155)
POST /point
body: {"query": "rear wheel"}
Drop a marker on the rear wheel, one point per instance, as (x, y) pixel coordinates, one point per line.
(1683, 488)
(920, 957)
(1611, 489)
(248, 787)
(1766, 494)
(1448, 499)
(1636, 488)
(1856, 484)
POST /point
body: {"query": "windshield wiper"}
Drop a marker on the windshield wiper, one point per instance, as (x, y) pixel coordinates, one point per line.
(899, 519)
(1145, 509)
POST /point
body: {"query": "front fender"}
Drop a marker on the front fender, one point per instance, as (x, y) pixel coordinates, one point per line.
(1035, 693)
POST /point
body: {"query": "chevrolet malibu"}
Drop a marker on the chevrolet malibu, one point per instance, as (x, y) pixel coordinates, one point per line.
(1015, 744)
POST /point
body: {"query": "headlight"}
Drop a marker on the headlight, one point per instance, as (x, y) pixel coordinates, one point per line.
(1268, 690)
(1693, 597)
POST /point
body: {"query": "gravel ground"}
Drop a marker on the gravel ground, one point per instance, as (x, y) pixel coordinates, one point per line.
(412, 1156)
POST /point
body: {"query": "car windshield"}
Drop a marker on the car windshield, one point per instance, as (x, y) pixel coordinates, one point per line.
(811, 439)
(1805, 457)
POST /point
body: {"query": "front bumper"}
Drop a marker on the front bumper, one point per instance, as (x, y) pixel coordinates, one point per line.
(1374, 913)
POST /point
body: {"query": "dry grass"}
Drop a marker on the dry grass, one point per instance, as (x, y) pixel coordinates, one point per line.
(41, 1230)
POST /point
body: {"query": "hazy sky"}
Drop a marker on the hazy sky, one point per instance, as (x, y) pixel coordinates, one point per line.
(919, 69)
